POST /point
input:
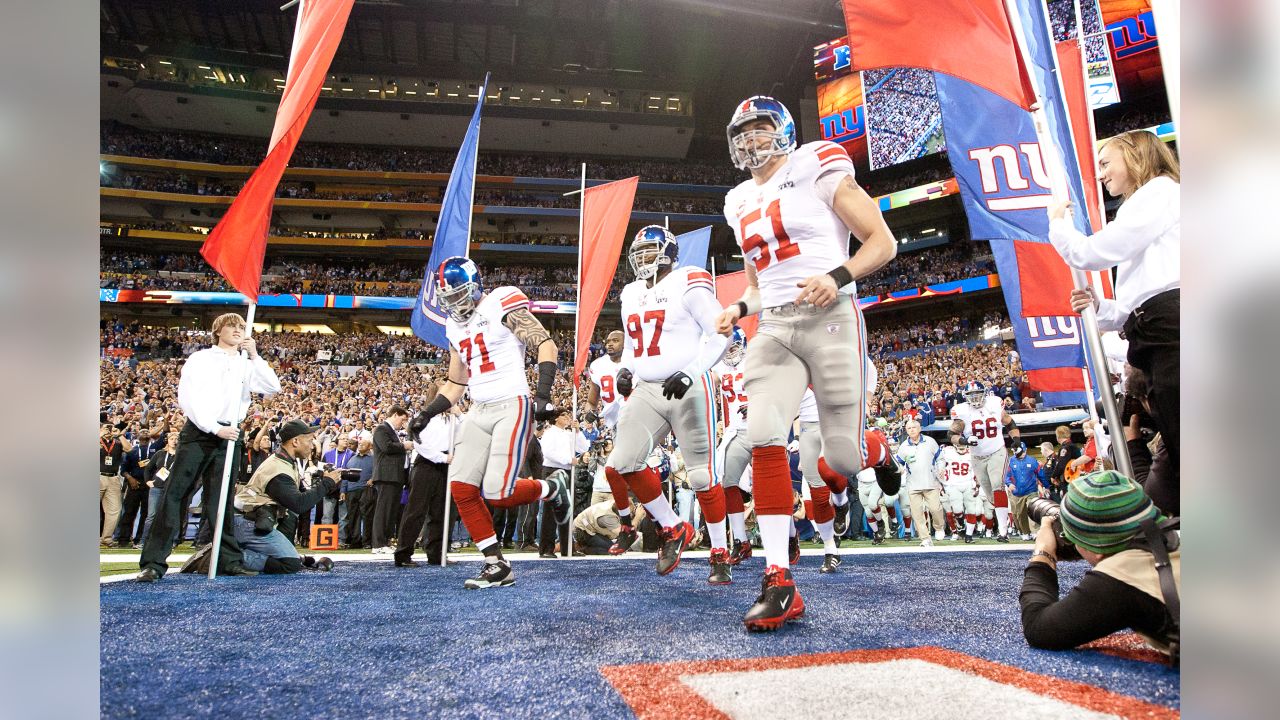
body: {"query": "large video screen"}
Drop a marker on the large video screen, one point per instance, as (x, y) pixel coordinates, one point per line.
(881, 117)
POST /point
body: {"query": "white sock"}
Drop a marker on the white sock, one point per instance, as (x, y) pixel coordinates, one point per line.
(738, 521)
(968, 527)
(482, 544)
(871, 523)
(661, 512)
(793, 527)
(625, 512)
(717, 532)
(546, 490)
(1002, 517)
(773, 534)
(840, 499)
(828, 532)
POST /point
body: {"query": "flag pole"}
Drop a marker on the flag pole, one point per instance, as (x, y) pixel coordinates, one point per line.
(229, 461)
(448, 510)
(1054, 160)
(567, 550)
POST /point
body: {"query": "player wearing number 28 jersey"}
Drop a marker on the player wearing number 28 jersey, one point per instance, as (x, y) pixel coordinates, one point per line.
(668, 316)
(488, 334)
(792, 220)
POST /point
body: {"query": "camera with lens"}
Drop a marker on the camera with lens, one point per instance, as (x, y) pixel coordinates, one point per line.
(264, 519)
(351, 475)
(1044, 511)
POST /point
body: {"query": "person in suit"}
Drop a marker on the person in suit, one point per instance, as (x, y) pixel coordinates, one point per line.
(388, 474)
(136, 490)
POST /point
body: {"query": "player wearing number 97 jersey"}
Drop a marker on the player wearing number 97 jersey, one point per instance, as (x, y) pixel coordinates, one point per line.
(669, 350)
(488, 334)
(792, 219)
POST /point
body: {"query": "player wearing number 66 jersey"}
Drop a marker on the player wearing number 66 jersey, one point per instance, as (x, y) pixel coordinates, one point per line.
(488, 334)
(668, 315)
(981, 419)
(792, 219)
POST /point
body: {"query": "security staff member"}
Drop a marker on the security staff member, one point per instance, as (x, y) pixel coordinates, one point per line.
(1136, 577)
(274, 490)
(214, 395)
(428, 477)
(560, 444)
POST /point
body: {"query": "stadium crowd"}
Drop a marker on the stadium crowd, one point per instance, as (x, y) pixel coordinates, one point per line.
(902, 114)
(944, 263)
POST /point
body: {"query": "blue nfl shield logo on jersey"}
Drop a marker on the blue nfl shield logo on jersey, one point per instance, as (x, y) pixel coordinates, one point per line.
(832, 328)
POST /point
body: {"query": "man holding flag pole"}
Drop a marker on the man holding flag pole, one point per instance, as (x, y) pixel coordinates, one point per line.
(235, 248)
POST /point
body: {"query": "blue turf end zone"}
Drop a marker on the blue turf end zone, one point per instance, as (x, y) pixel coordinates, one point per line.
(371, 640)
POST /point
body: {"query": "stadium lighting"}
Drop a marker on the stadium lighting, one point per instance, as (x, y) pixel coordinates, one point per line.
(164, 62)
(347, 90)
(453, 94)
(329, 89)
(373, 91)
(410, 92)
(928, 230)
(513, 97)
(555, 99)
(204, 67)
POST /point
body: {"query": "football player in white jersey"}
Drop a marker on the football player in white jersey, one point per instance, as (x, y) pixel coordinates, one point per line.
(668, 315)
(602, 395)
(734, 451)
(488, 334)
(824, 499)
(962, 498)
(792, 220)
(981, 418)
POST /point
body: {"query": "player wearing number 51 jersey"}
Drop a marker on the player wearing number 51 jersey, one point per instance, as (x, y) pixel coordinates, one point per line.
(668, 315)
(792, 219)
(488, 334)
(981, 419)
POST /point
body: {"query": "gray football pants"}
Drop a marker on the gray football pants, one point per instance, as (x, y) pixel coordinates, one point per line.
(491, 446)
(648, 417)
(734, 457)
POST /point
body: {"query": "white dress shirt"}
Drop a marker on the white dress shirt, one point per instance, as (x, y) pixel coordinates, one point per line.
(210, 390)
(559, 447)
(434, 442)
(1143, 243)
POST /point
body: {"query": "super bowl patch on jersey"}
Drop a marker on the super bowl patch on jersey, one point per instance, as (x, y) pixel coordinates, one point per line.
(832, 328)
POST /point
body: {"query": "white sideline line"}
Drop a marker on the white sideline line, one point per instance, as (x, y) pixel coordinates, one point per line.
(177, 560)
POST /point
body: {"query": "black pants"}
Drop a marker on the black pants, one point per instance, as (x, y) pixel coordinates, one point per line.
(527, 520)
(368, 508)
(425, 506)
(355, 512)
(134, 510)
(384, 516)
(198, 452)
(1154, 348)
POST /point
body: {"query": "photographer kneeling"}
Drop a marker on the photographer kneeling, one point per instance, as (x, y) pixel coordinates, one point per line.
(1136, 577)
(274, 489)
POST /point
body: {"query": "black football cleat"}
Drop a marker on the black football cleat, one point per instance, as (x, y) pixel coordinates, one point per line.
(793, 550)
(741, 551)
(877, 538)
(674, 542)
(626, 538)
(721, 569)
(842, 519)
(559, 501)
(889, 477)
(779, 602)
(968, 538)
(1002, 538)
(495, 574)
(830, 563)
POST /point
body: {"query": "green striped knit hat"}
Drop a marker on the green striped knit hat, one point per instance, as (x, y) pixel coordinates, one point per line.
(1104, 510)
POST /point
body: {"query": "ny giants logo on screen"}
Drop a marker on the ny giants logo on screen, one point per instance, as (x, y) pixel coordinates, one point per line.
(1000, 170)
(1133, 35)
(1049, 332)
(849, 124)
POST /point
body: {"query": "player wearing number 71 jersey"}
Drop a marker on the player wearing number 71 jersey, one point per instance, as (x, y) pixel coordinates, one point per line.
(669, 349)
(488, 334)
(792, 219)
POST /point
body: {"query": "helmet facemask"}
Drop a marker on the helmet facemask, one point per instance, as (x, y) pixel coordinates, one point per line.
(647, 256)
(460, 301)
(747, 150)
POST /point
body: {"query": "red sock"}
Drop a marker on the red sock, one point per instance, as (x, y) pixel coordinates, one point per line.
(733, 502)
(1000, 499)
(645, 483)
(906, 521)
(877, 449)
(713, 504)
(834, 480)
(808, 508)
(527, 490)
(951, 520)
(823, 511)
(618, 486)
(772, 474)
(475, 516)
(971, 519)
(893, 511)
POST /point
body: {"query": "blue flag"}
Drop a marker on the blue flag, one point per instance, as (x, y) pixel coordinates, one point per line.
(693, 248)
(453, 231)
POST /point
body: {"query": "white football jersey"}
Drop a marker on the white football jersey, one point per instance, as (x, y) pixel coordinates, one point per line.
(604, 372)
(493, 354)
(982, 423)
(662, 334)
(785, 229)
(956, 468)
(733, 388)
(809, 406)
(866, 476)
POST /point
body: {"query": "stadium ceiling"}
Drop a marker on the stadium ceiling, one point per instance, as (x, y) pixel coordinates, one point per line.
(720, 50)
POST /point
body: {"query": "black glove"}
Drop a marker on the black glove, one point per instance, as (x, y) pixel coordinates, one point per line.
(419, 423)
(623, 382)
(742, 411)
(676, 386)
(544, 409)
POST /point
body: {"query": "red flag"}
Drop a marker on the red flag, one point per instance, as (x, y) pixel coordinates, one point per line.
(606, 209)
(236, 246)
(1072, 74)
(728, 289)
(1065, 379)
(1046, 280)
(970, 39)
